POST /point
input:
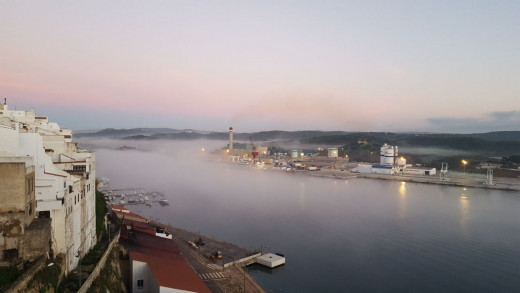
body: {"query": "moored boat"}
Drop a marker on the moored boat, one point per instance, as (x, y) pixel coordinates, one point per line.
(164, 202)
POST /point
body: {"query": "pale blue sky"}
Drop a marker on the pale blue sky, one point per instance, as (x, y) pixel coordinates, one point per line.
(334, 65)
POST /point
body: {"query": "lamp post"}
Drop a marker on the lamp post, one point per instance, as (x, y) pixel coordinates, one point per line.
(79, 262)
(464, 163)
(108, 218)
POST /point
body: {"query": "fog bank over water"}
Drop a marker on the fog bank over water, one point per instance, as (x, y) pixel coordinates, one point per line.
(196, 184)
(359, 235)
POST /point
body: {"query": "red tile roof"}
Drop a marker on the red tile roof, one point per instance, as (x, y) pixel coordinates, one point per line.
(122, 212)
(168, 266)
(172, 272)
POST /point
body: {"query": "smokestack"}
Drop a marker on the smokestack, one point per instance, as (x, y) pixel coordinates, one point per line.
(230, 138)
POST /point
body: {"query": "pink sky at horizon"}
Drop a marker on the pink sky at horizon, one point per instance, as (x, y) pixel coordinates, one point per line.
(272, 65)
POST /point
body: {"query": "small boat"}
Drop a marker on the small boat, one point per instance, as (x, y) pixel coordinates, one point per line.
(259, 165)
(164, 202)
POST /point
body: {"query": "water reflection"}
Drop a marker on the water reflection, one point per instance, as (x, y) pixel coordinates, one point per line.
(352, 235)
(464, 213)
(402, 189)
(402, 200)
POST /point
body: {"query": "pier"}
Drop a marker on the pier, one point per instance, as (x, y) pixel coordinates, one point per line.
(220, 275)
(454, 178)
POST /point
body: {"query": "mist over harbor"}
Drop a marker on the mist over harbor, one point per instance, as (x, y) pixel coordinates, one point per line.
(376, 144)
(358, 234)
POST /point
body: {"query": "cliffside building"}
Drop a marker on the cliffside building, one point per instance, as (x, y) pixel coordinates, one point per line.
(64, 179)
(21, 235)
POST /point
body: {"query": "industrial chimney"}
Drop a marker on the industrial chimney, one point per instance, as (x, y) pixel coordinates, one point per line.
(230, 138)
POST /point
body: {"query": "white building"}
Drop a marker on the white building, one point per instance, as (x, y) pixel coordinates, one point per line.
(388, 154)
(295, 154)
(64, 175)
(383, 169)
(419, 171)
(332, 152)
(156, 266)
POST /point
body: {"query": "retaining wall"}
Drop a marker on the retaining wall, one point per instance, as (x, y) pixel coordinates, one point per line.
(21, 283)
(101, 263)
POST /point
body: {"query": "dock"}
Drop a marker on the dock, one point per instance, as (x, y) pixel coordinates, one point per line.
(454, 179)
(221, 275)
(271, 260)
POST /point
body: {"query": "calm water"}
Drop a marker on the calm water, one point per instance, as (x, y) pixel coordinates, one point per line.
(338, 236)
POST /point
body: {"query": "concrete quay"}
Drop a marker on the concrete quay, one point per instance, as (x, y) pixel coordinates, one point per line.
(455, 179)
(225, 275)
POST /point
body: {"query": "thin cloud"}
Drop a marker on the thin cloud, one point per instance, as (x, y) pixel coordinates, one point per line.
(494, 121)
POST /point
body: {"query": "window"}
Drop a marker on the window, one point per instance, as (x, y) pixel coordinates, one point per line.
(44, 214)
(140, 284)
(79, 168)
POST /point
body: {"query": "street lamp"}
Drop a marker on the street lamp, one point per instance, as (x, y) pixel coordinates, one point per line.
(79, 261)
(108, 218)
(464, 163)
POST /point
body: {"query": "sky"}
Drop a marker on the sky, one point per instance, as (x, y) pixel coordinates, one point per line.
(440, 66)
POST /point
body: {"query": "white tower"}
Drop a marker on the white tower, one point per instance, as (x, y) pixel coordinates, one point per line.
(230, 138)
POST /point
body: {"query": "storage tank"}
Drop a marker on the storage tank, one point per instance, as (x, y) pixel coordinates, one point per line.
(333, 153)
(401, 162)
(294, 154)
(388, 154)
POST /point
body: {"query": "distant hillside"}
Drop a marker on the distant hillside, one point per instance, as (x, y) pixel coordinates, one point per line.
(491, 143)
(168, 133)
(178, 135)
(118, 133)
(286, 135)
(497, 136)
